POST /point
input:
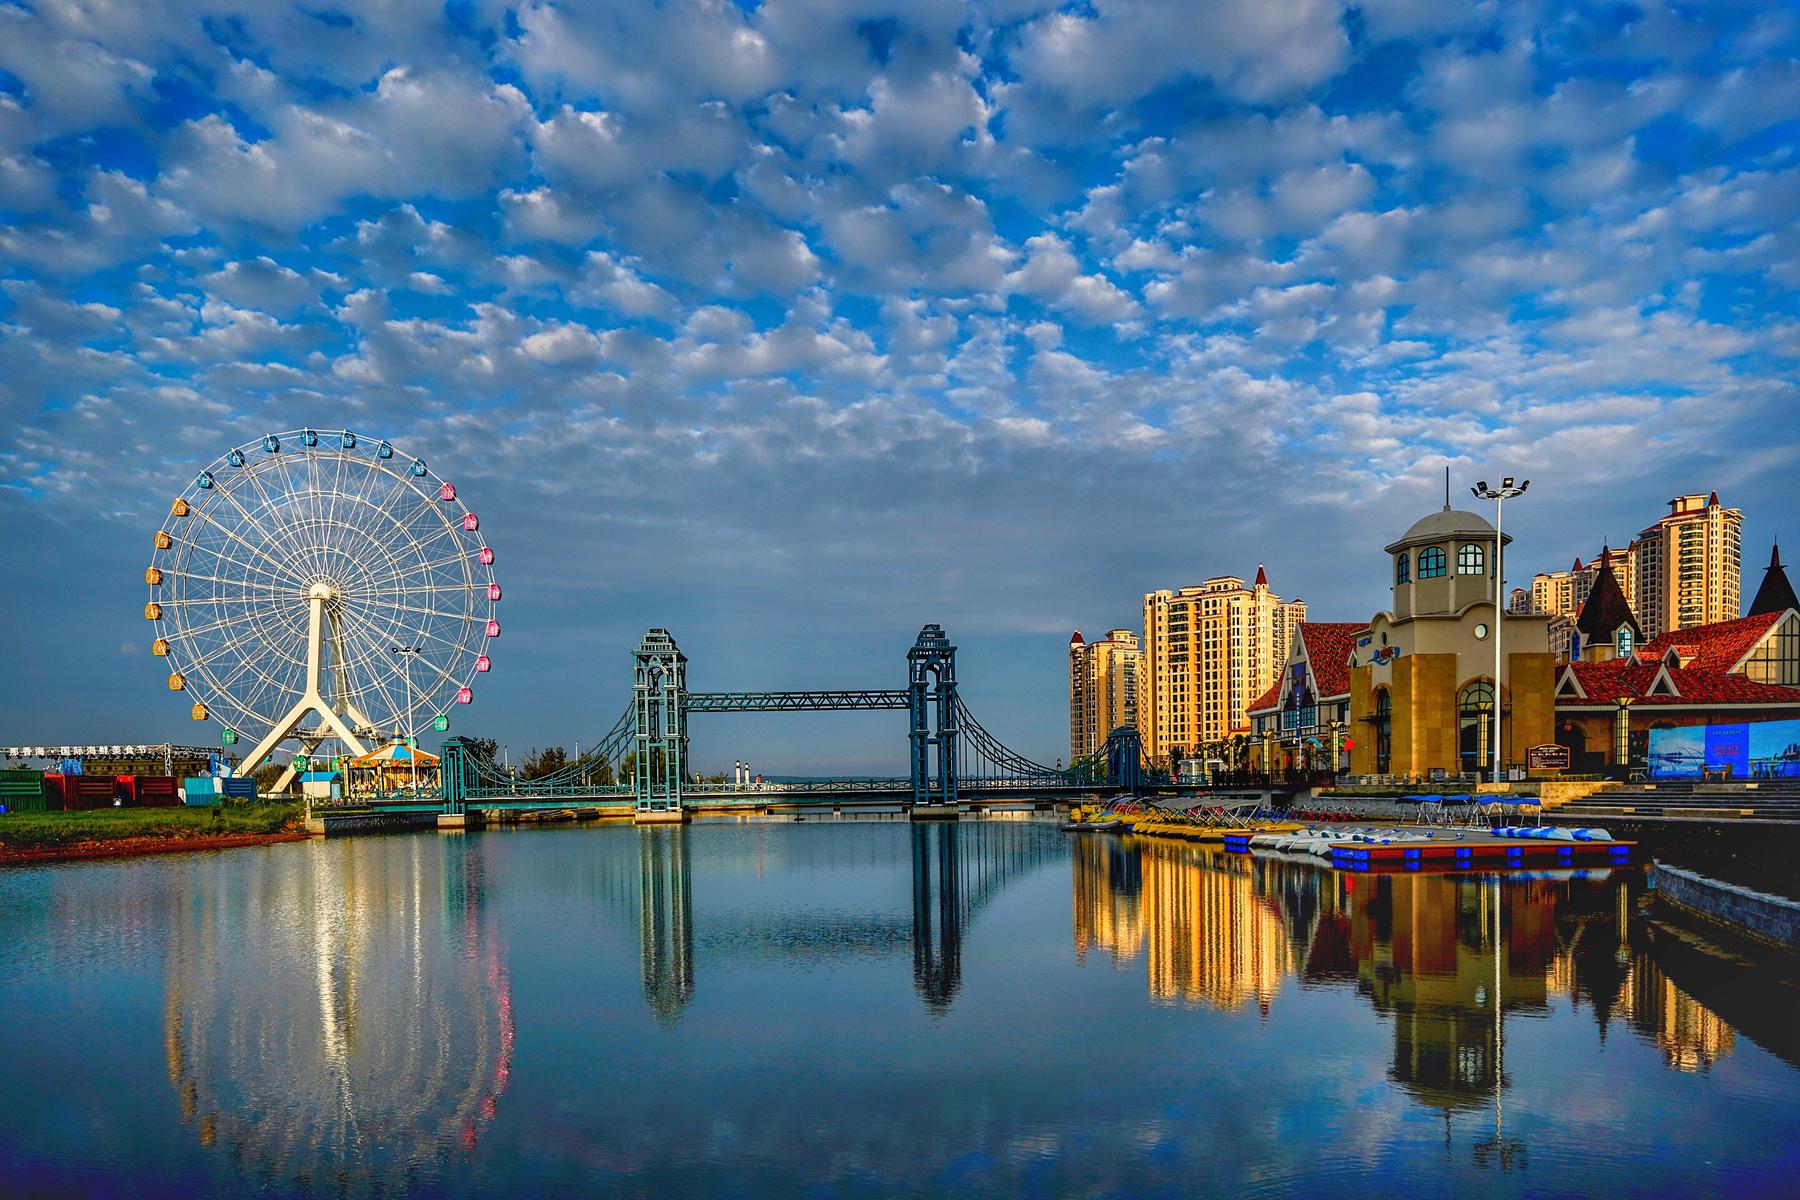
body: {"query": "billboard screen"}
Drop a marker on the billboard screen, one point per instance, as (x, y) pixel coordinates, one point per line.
(1740, 750)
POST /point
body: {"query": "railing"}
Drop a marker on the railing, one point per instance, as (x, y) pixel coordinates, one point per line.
(1268, 779)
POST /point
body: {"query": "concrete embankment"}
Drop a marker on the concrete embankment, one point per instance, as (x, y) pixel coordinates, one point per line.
(1758, 915)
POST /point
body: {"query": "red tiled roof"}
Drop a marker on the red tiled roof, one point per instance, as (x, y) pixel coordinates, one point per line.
(1328, 646)
(1268, 701)
(1715, 647)
(1606, 682)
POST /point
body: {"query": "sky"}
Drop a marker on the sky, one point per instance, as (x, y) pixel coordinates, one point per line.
(794, 326)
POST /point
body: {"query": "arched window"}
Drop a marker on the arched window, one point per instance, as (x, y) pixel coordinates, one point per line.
(1624, 641)
(1384, 731)
(1470, 560)
(1475, 724)
(1431, 562)
(1403, 568)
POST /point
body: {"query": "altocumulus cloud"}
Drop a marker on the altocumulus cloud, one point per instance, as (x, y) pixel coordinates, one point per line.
(795, 325)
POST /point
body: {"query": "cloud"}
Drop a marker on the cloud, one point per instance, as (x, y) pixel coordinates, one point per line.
(720, 309)
(1052, 274)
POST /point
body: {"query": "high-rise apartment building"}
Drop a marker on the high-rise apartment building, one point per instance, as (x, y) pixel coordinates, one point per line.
(1687, 567)
(1208, 652)
(1562, 593)
(1104, 687)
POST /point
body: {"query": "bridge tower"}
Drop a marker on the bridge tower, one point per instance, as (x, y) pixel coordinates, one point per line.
(659, 693)
(931, 698)
(1125, 759)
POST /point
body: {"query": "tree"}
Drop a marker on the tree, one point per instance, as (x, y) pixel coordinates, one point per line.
(486, 749)
(540, 763)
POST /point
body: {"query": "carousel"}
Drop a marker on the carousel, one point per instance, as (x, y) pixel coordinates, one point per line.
(395, 767)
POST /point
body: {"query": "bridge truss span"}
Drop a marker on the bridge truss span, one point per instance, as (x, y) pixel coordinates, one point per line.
(643, 759)
(793, 701)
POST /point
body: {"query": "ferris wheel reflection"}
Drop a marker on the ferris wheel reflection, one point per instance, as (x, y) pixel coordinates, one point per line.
(398, 1058)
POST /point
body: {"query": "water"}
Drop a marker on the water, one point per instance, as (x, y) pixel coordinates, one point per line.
(866, 1008)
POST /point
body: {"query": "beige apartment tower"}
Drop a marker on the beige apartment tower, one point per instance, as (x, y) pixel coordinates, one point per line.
(1104, 685)
(1562, 593)
(1208, 652)
(1687, 567)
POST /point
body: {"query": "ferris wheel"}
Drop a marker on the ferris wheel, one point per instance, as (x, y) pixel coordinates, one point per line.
(318, 586)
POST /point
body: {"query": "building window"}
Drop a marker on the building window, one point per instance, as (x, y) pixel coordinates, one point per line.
(1384, 731)
(1431, 562)
(1624, 641)
(1469, 559)
(1475, 724)
(1403, 568)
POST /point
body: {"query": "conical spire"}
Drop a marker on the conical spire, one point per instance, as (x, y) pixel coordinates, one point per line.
(1262, 576)
(1605, 609)
(1776, 594)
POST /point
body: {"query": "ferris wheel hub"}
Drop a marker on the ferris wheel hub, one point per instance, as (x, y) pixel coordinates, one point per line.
(323, 590)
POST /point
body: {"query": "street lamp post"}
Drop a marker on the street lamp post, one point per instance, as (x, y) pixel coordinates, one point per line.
(1500, 495)
(407, 654)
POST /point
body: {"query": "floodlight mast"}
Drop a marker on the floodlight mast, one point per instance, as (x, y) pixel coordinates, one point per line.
(1500, 495)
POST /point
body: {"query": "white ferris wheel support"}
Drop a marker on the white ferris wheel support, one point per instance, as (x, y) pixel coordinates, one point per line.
(321, 599)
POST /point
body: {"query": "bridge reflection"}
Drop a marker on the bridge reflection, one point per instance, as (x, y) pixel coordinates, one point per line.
(956, 870)
(1446, 958)
(666, 920)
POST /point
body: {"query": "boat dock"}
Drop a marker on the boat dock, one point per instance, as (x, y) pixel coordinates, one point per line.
(1466, 849)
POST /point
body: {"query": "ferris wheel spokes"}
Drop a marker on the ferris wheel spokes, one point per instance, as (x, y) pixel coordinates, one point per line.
(290, 574)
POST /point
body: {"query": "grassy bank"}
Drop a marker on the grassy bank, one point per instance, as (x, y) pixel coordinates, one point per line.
(47, 831)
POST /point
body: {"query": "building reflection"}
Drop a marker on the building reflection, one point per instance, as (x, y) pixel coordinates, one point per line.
(1447, 958)
(404, 1047)
(1613, 963)
(666, 920)
(1211, 936)
(1109, 885)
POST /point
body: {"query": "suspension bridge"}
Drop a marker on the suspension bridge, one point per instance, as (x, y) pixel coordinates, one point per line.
(642, 761)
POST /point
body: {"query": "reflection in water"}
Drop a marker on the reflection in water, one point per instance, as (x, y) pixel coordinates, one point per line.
(1108, 887)
(1446, 957)
(337, 1018)
(956, 869)
(1212, 937)
(398, 1051)
(937, 913)
(1597, 964)
(666, 920)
